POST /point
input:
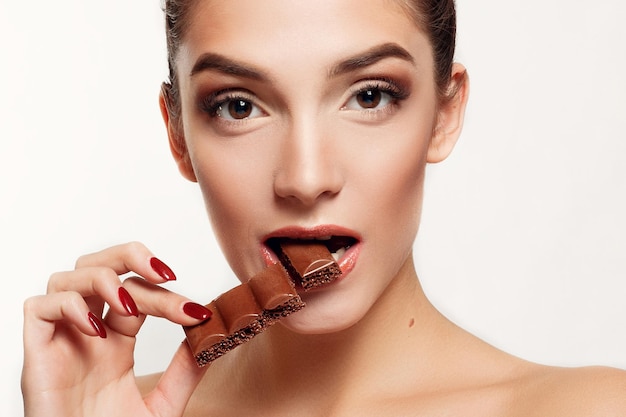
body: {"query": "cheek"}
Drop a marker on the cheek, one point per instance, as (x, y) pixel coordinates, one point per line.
(391, 169)
(231, 187)
(236, 186)
(390, 181)
(398, 202)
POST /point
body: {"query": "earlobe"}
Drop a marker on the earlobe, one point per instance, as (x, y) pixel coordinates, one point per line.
(450, 116)
(178, 147)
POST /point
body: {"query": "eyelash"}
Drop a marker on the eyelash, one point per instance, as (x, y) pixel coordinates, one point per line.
(212, 103)
(395, 91)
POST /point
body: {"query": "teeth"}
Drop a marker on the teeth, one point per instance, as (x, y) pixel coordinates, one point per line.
(340, 252)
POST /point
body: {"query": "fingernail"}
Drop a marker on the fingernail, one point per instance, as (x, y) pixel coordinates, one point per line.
(128, 302)
(163, 270)
(97, 324)
(197, 311)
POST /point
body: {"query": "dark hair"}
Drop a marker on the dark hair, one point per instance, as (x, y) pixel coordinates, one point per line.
(437, 18)
(176, 21)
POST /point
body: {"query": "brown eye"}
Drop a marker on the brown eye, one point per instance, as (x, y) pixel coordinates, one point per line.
(234, 106)
(233, 109)
(239, 109)
(369, 99)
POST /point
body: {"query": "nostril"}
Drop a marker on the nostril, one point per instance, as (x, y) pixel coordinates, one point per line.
(307, 189)
(307, 171)
(298, 191)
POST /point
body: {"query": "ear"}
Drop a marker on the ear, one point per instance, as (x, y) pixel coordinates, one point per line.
(450, 116)
(178, 147)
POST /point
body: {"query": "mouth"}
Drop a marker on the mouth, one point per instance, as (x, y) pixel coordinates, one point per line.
(343, 244)
(311, 262)
(336, 245)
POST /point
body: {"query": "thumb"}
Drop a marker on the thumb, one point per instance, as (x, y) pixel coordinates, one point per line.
(171, 394)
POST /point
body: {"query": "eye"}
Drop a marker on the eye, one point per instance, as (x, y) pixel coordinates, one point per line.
(231, 106)
(375, 95)
(370, 99)
(237, 109)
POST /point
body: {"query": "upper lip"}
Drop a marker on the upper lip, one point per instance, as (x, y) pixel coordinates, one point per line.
(310, 233)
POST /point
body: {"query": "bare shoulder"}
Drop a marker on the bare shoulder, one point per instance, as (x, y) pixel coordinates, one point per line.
(573, 392)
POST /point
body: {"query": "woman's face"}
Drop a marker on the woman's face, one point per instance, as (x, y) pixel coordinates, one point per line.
(306, 120)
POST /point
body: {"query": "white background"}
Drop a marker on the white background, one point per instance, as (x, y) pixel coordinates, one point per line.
(523, 233)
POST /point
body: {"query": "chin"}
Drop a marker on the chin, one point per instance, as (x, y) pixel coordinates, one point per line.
(320, 318)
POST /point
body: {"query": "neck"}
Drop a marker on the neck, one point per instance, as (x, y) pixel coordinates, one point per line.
(401, 327)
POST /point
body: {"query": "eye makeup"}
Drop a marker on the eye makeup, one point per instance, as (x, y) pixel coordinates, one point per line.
(369, 94)
(230, 104)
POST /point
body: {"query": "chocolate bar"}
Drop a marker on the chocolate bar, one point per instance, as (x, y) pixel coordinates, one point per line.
(312, 262)
(243, 312)
(249, 308)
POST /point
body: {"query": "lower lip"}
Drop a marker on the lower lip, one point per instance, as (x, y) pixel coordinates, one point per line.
(346, 263)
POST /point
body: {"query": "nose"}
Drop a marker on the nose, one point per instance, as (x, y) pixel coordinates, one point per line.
(308, 169)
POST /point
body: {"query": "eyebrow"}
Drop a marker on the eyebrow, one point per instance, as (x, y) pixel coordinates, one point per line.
(216, 62)
(370, 57)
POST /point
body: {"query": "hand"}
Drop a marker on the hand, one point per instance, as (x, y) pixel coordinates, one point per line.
(77, 363)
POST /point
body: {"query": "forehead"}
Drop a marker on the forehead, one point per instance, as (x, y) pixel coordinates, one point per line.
(271, 32)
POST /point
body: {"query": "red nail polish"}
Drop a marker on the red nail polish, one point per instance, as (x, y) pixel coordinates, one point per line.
(97, 324)
(163, 270)
(128, 302)
(197, 311)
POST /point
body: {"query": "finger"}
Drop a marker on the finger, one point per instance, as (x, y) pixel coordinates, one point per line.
(129, 257)
(97, 285)
(42, 313)
(155, 301)
(177, 384)
(128, 326)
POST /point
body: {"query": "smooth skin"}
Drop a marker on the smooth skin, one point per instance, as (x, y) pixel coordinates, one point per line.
(69, 370)
(282, 140)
